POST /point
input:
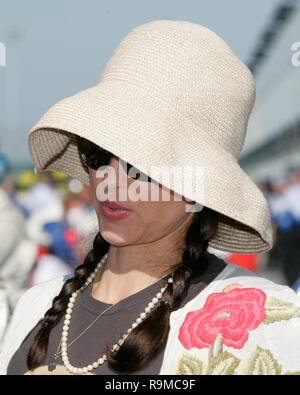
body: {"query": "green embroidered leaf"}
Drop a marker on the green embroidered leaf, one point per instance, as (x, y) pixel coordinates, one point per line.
(189, 365)
(260, 362)
(224, 364)
(279, 310)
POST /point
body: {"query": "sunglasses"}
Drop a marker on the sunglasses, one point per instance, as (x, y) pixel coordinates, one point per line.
(94, 157)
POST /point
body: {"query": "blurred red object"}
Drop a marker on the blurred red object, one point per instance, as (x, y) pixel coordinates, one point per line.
(42, 250)
(247, 261)
(70, 235)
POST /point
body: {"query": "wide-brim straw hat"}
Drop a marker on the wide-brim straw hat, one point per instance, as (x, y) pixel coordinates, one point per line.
(173, 93)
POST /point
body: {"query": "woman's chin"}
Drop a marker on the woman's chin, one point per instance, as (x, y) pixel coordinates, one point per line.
(114, 238)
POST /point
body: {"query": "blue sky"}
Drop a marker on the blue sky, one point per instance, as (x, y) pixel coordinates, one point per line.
(55, 49)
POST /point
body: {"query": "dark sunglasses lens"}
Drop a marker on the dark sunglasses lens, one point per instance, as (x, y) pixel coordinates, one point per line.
(94, 157)
(91, 154)
(134, 173)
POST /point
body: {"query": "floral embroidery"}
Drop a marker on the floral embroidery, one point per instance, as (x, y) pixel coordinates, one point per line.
(225, 320)
(279, 310)
(191, 365)
(229, 314)
(224, 363)
(260, 362)
(231, 287)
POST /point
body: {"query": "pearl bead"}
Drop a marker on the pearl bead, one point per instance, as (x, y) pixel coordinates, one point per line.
(116, 346)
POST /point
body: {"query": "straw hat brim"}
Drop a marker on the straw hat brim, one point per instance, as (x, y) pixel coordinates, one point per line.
(143, 131)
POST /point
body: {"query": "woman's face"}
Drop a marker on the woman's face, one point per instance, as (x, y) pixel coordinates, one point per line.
(149, 220)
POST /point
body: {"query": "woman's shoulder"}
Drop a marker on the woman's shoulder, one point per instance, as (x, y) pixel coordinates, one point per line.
(35, 300)
(43, 288)
(39, 295)
(234, 276)
(29, 309)
(240, 323)
(234, 284)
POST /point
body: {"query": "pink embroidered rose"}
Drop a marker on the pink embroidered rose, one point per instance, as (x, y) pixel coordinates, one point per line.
(230, 314)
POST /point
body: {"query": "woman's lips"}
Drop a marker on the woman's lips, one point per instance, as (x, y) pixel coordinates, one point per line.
(112, 204)
(113, 211)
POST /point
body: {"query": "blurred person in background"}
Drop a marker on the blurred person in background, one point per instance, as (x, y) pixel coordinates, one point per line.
(47, 226)
(283, 198)
(4, 302)
(292, 193)
(36, 241)
(4, 309)
(17, 251)
(81, 216)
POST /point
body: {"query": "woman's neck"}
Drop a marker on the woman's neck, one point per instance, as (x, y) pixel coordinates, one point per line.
(132, 268)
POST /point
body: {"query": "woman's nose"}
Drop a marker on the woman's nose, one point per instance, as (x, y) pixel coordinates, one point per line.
(116, 176)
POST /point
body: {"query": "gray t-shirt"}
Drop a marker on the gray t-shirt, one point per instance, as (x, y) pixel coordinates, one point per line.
(105, 331)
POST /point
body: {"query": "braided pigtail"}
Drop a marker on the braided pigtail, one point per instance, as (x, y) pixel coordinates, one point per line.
(139, 347)
(38, 350)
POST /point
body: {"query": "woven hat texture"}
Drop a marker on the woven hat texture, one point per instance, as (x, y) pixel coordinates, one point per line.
(173, 93)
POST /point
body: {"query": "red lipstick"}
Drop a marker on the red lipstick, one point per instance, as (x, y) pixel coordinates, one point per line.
(113, 211)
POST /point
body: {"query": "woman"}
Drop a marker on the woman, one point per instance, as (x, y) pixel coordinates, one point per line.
(149, 297)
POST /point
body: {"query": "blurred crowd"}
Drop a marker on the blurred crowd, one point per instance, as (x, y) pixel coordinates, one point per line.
(48, 223)
(282, 263)
(283, 194)
(47, 226)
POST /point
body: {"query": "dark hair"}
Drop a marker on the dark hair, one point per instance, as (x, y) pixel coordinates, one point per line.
(142, 343)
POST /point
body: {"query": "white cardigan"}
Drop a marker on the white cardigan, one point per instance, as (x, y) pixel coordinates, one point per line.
(239, 324)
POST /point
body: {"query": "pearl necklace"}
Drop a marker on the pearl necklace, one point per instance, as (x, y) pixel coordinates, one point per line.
(67, 320)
